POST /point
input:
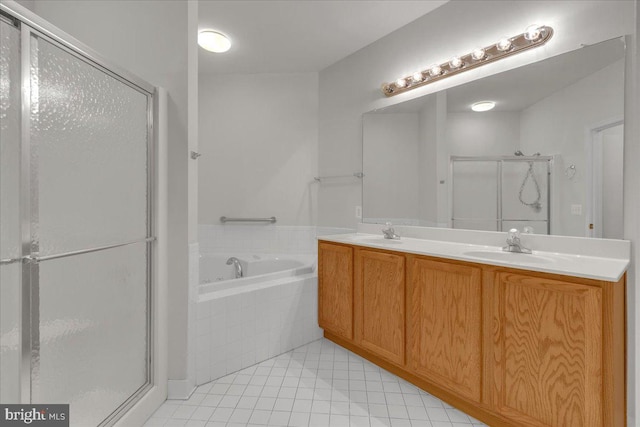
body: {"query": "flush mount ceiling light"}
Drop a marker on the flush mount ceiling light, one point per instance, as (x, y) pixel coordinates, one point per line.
(213, 41)
(483, 106)
(534, 36)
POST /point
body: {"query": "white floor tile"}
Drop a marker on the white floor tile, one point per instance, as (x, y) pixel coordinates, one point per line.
(184, 412)
(203, 413)
(167, 409)
(260, 417)
(316, 385)
(299, 419)
(279, 418)
(155, 422)
(241, 416)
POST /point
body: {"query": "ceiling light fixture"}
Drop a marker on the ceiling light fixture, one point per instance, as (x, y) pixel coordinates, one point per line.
(483, 106)
(534, 36)
(213, 41)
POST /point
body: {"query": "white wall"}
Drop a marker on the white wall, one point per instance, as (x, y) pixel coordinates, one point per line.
(391, 165)
(258, 139)
(458, 27)
(547, 128)
(483, 134)
(466, 24)
(612, 182)
(632, 216)
(151, 40)
(428, 156)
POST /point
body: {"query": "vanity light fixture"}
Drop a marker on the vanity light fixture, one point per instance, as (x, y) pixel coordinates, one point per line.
(214, 41)
(456, 62)
(534, 36)
(479, 54)
(483, 106)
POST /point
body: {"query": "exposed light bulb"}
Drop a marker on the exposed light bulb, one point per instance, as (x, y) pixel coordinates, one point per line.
(435, 70)
(533, 32)
(417, 76)
(504, 44)
(483, 106)
(478, 54)
(455, 62)
(213, 41)
(401, 82)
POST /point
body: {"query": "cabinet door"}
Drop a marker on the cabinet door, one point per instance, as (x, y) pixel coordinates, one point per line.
(379, 304)
(335, 289)
(445, 325)
(547, 351)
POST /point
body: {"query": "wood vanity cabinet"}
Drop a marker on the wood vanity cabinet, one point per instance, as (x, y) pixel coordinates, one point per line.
(509, 347)
(379, 304)
(335, 294)
(445, 324)
(556, 352)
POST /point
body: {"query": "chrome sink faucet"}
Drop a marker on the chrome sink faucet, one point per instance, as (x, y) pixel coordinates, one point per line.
(389, 232)
(514, 244)
(236, 265)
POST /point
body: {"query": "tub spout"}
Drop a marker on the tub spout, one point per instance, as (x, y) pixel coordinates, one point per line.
(236, 265)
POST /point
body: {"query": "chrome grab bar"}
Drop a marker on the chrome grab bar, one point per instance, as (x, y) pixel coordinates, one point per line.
(355, 174)
(36, 258)
(224, 219)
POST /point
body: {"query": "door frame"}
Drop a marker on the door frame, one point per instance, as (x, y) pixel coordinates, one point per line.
(593, 178)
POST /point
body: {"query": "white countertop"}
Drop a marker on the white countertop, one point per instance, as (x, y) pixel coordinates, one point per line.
(589, 267)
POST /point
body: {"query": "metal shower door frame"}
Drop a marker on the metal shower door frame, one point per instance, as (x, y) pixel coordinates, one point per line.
(500, 160)
(30, 26)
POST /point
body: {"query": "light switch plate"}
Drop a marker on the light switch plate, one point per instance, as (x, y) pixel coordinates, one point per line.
(576, 209)
(359, 212)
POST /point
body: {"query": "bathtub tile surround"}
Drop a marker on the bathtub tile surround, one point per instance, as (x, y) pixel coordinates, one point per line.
(319, 384)
(245, 321)
(239, 329)
(262, 238)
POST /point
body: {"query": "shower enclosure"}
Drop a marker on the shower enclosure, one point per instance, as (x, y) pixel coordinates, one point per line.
(76, 225)
(497, 193)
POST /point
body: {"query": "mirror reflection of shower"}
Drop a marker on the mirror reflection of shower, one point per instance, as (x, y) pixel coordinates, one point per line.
(530, 177)
(497, 193)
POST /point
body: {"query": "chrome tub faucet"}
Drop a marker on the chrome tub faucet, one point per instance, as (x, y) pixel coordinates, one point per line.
(236, 266)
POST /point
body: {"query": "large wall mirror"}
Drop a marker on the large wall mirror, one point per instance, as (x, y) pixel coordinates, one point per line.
(547, 159)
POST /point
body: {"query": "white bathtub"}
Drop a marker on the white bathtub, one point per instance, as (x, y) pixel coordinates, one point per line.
(216, 275)
(241, 322)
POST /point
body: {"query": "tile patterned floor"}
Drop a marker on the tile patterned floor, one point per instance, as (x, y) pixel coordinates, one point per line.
(319, 384)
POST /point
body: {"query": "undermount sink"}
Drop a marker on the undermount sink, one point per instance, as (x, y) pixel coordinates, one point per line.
(510, 257)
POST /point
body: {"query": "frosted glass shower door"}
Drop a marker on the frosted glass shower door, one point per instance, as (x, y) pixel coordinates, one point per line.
(475, 195)
(10, 231)
(90, 233)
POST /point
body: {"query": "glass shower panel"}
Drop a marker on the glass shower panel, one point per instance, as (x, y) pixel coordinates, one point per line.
(93, 331)
(475, 195)
(89, 190)
(89, 130)
(525, 192)
(10, 237)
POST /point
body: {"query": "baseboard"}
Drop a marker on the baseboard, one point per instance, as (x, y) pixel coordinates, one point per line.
(180, 389)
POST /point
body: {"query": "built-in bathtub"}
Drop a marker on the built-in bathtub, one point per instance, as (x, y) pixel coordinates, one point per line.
(243, 321)
(216, 275)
